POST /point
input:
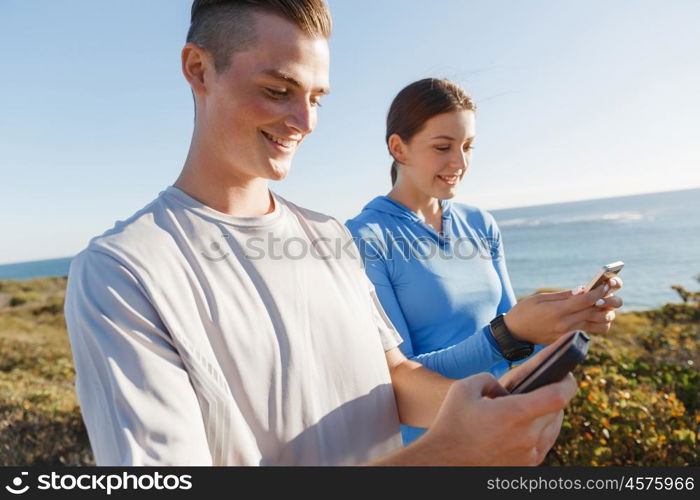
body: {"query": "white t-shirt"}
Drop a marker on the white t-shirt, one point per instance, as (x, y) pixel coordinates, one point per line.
(202, 338)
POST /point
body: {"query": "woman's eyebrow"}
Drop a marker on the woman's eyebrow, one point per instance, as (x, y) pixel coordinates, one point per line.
(450, 138)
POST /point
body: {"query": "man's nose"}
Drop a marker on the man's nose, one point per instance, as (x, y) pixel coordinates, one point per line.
(302, 118)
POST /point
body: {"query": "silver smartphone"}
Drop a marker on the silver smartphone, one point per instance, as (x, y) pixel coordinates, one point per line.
(604, 274)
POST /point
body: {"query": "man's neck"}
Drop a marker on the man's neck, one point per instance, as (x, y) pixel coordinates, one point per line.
(220, 189)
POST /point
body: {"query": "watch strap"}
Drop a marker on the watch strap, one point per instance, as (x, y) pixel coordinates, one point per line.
(511, 348)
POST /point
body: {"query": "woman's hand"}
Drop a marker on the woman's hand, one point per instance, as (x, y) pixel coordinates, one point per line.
(544, 317)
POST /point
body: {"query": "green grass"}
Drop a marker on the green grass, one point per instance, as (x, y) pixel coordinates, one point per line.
(40, 421)
(638, 401)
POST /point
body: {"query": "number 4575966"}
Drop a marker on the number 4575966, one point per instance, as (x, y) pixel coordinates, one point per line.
(660, 483)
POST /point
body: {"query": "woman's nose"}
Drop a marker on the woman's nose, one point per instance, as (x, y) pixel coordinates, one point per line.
(461, 160)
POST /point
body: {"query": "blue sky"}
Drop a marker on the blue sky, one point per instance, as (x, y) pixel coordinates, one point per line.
(577, 99)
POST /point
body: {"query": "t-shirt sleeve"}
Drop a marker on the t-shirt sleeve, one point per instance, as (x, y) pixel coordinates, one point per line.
(135, 395)
(389, 335)
(389, 332)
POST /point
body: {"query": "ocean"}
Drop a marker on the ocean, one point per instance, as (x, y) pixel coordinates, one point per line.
(35, 269)
(563, 245)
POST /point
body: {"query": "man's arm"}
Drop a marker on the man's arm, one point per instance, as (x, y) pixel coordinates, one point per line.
(419, 391)
(136, 397)
(478, 422)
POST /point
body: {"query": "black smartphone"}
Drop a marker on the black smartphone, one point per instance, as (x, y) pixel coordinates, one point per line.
(555, 366)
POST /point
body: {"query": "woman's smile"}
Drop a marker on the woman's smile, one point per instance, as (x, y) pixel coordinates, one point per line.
(450, 180)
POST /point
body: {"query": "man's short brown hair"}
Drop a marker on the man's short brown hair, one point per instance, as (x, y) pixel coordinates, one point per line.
(223, 27)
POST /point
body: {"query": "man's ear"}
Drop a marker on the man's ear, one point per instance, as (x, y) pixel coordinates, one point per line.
(397, 148)
(197, 67)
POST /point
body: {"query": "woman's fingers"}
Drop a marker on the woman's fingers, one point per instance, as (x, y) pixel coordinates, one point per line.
(596, 327)
(612, 285)
(601, 316)
(597, 319)
(615, 283)
(555, 296)
(571, 310)
(610, 302)
(592, 298)
(579, 303)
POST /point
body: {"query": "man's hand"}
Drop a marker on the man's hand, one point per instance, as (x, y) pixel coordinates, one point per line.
(544, 317)
(481, 423)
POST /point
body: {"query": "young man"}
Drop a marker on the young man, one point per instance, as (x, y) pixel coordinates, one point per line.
(202, 336)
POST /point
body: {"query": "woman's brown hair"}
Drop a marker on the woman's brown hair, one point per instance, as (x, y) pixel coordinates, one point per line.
(419, 102)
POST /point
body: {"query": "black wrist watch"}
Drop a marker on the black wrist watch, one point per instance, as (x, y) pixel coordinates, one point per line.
(512, 349)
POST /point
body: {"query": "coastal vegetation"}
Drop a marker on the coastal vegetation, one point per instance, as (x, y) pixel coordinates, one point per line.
(638, 401)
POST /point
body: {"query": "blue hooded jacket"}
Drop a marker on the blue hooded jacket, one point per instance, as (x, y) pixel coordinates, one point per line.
(440, 290)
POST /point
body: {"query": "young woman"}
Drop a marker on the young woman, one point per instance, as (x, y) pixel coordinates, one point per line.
(438, 266)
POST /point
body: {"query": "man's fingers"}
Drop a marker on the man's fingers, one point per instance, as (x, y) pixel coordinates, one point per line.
(548, 435)
(548, 399)
(482, 385)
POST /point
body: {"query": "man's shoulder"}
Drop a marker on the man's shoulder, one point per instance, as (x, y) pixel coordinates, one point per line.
(137, 238)
(320, 222)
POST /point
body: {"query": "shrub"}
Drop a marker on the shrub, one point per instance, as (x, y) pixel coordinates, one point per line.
(638, 400)
(639, 394)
